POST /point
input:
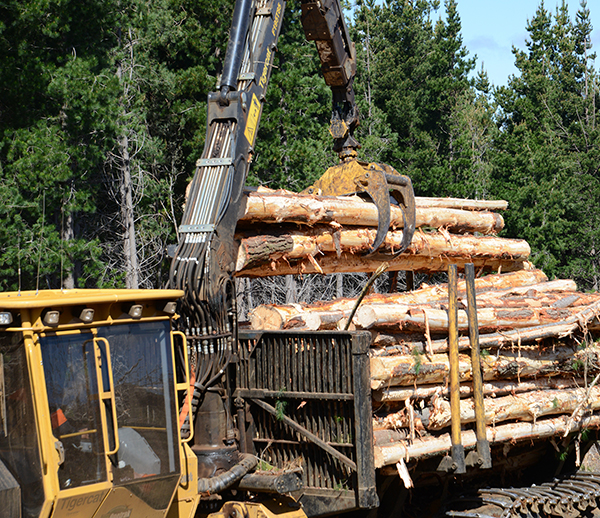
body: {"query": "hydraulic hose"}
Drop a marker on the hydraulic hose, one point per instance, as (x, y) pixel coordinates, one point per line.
(227, 479)
(235, 47)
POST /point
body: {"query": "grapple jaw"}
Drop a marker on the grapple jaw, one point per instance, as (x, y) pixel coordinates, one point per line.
(379, 181)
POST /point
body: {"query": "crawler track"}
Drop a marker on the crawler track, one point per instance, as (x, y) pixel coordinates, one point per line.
(572, 496)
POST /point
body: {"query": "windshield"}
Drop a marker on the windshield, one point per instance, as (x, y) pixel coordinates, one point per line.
(18, 438)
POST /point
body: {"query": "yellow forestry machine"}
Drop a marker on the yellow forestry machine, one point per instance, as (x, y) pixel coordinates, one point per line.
(151, 403)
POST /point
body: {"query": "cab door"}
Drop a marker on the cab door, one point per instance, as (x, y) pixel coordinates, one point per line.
(111, 395)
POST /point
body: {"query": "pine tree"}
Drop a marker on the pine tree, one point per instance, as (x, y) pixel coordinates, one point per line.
(548, 145)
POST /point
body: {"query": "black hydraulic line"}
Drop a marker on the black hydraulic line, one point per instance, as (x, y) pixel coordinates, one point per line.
(227, 479)
(235, 47)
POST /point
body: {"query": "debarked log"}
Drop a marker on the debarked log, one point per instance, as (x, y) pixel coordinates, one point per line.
(511, 432)
(352, 210)
(271, 316)
(528, 406)
(522, 363)
(490, 388)
(290, 245)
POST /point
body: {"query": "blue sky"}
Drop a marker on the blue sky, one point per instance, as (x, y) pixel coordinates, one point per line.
(491, 27)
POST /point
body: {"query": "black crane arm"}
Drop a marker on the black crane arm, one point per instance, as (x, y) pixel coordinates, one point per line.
(323, 23)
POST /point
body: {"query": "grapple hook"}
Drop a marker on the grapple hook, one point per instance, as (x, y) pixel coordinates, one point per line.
(379, 182)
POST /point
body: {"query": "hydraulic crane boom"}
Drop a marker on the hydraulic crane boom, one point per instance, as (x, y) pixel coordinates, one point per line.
(204, 260)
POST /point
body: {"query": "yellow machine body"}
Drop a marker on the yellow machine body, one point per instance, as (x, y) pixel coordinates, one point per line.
(90, 401)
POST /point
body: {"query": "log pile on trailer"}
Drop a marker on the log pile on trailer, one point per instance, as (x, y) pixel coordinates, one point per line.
(540, 359)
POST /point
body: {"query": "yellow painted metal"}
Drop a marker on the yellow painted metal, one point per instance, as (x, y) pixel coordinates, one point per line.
(455, 429)
(106, 394)
(50, 458)
(46, 298)
(379, 182)
(281, 507)
(101, 498)
(186, 498)
(483, 446)
(185, 385)
(81, 501)
(107, 305)
(120, 502)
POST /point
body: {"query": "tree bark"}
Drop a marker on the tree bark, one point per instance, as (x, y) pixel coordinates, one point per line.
(128, 216)
(423, 318)
(585, 319)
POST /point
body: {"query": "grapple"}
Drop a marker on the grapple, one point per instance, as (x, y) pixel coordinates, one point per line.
(383, 184)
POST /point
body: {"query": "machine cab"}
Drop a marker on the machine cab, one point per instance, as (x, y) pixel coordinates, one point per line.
(89, 417)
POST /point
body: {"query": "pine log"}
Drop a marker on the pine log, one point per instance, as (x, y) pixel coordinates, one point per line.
(294, 253)
(585, 319)
(350, 263)
(420, 201)
(302, 244)
(352, 210)
(525, 362)
(512, 432)
(528, 406)
(460, 203)
(490, 388)
(331, 312)
(424, 318)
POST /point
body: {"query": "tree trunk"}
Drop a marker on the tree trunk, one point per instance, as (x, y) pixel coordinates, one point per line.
(333, 311)
(490, 388)
(423, 318)
(128, 216)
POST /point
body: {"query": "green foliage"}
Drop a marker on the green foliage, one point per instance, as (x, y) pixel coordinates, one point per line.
(547, 152)
(86, 88)
(293, 146)
(280, 407)
(417, 359)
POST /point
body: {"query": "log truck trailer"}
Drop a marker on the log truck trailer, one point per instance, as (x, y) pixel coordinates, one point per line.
(151, 403)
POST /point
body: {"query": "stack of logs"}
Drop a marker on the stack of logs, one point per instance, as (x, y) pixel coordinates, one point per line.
(539, 358)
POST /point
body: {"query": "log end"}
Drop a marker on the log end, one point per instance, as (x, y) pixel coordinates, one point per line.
(265, 318)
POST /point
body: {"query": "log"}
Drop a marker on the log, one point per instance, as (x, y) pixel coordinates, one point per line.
(296, 244)
(350, 263)
(433, 446)
(490, 388)
(584, 319)
(328, 315)
(420, 201)
(460, 203)
(331, 312)
(421, 318)
(352, 210)
(525, 362)
(528, 406)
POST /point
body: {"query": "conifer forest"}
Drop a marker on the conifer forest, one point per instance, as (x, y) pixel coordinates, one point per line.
(103, 115)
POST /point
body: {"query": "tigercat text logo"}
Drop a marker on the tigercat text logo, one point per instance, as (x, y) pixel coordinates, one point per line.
(276, 19)
(70, 504)
(121, 511)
